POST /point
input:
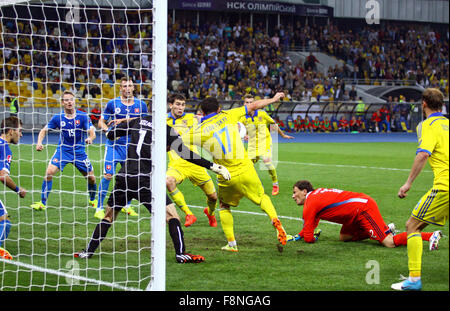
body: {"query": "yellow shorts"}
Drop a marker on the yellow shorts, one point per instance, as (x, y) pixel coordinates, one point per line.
(198, 176)
(432, 208)
(246, 185)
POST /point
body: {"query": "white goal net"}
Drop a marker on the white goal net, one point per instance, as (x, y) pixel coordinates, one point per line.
(48, 47)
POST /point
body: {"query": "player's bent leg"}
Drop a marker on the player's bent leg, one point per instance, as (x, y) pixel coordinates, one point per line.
(171, 212)
(46, 188)
(102, 192)
(226, 220)
(178, 198)
(267, 206)
(177, 236)
(414, 225)
(211, 201)
(92, 188)
(99, 234)
(414, 247)
(111, 214)
(401, 239)
(352, 232)
(254, 191)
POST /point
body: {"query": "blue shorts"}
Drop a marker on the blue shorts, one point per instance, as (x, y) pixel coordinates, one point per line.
(2, 209)
(78, 159)
(114, 154)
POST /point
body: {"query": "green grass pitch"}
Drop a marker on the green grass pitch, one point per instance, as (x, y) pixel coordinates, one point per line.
(48, 239)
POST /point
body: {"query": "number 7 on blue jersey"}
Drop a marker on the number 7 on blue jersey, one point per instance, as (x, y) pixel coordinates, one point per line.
(227, 134)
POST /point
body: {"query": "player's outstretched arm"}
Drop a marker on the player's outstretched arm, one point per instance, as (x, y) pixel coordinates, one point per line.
(185, 153)
(7, 180)
(419, 162)
(121, 129)
(175, 142)
(119, 121)
(41, 136)
(282, 134)
(259, 104)
(102, 124)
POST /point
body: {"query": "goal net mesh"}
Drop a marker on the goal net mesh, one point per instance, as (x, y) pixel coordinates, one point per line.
(85, 46)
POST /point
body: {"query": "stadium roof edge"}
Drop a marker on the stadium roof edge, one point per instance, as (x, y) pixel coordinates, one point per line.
(85, 3)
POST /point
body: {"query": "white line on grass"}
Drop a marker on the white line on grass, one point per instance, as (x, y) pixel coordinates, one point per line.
(67, 275)
(352, 166)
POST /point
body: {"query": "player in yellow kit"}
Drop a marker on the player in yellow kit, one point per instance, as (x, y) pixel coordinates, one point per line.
(218, 134)
(260, 141)
(432, 134)
(179, 169)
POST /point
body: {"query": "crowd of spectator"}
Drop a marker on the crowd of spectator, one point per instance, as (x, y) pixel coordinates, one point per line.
(218, 58)
(395, 51)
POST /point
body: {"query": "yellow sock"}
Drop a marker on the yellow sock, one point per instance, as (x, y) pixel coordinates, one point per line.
(267, 206)
(226, 220)
(272, 172)
(178, 199)
(415, 249)
(211, 207)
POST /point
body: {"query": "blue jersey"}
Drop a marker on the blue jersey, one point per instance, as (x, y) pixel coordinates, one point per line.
(5, 164)
(73, 131)
(115, 109)
(5, 156)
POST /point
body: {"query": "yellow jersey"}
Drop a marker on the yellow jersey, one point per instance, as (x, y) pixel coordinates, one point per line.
(432, 135)
(181, 125)
(259, 139)
(218, 134)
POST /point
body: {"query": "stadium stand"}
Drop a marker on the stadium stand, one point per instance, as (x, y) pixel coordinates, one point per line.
(225, 59)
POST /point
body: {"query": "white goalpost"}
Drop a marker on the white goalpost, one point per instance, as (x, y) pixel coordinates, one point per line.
(84, 46)
(158, 281)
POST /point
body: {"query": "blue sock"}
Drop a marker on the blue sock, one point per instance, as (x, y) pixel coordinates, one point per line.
(92, 188)
(46, 189)
(102, 192)
(5, 227)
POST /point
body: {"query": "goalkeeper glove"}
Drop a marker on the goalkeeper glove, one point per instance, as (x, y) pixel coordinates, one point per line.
(293, 238)
(221, 170)
(297, 237)
(317, 233)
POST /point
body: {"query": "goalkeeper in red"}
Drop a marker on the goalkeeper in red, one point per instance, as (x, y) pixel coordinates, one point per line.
(357, 212)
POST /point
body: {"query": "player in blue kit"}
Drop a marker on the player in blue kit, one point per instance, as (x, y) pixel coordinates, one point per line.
(76, 131)
(10, 133)
(125, 106)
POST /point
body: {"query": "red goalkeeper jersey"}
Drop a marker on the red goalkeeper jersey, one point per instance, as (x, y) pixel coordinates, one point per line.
(333, 205)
